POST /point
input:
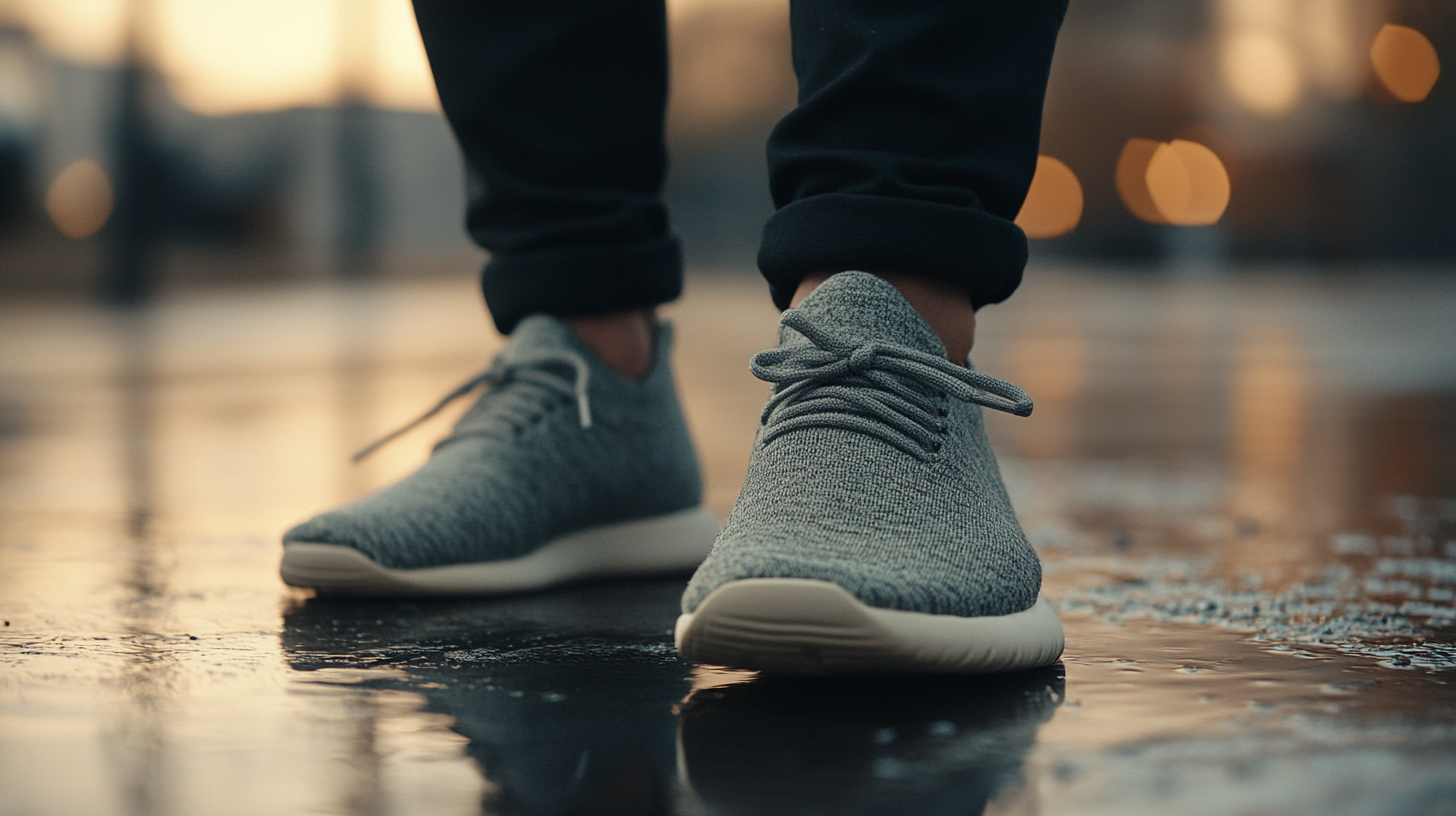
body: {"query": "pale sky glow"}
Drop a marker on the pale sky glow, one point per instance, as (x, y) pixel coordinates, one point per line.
(223, 57)
(235, 56)
(87, 31)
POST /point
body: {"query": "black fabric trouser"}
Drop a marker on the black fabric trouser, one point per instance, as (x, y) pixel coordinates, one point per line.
(911, 149)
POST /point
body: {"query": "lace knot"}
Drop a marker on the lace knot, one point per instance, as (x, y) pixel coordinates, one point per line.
(863, 358)
(887, 390)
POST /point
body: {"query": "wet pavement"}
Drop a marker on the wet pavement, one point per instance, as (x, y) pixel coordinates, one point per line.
(1243, 488)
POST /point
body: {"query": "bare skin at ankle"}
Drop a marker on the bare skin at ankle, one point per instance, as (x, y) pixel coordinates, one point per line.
(945, 306)
(623, 340)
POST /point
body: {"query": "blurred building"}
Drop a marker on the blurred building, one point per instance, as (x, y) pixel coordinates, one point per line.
(334, 159)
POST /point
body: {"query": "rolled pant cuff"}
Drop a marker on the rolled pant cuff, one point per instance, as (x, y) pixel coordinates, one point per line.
(574, 282)
(839, 231)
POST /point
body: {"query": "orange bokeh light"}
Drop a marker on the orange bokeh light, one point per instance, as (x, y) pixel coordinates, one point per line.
(1405, 62)
(79, 199)
(1188, 183)
(1054, 203)
(1178, 182)
(1262, 71)
(1132, 179)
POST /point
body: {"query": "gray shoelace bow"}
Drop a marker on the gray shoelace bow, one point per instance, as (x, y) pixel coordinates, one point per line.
(532, 368)
(886, 390)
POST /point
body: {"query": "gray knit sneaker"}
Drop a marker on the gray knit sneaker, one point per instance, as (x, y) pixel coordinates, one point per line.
(563, 470)
(873, 532)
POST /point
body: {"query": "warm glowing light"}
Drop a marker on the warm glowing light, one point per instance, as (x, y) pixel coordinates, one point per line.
(1266, 15)
(1216, 140)
(259, 55)
(281, 53)
(1270, 400)
(79, 200)
(1188, 183)
(225, 57)
(402, 77)
(1272, 52)
(1406, 62)
(730, 65)
(85, 31)
(1051, 362)
(1262, 71)
(1054, 203)
(1333, 44)
(1178, 182)
(1132, 179)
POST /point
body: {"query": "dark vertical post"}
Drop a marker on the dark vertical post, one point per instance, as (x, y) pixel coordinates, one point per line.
(138, 219)
(356, 145)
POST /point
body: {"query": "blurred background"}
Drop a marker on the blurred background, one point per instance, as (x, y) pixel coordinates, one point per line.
(147, 144)
(232, 253)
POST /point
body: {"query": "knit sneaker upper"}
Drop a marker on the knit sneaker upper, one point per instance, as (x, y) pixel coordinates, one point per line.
(872, 469)
(558, 443)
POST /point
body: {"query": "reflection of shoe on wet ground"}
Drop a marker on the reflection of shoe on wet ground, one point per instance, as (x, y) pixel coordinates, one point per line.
(911, 745)
(583, 738)
(566, 698)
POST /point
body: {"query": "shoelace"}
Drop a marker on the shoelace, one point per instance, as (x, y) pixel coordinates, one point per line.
(525, 368)
(870, 388)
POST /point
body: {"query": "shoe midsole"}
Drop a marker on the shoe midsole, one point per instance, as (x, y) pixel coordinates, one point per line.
(671, 542)
(802, 626)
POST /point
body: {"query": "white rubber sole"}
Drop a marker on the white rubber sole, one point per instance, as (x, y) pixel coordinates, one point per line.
(675, 542)
(799, 626)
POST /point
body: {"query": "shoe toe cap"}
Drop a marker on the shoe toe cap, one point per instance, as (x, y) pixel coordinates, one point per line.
(964, 589)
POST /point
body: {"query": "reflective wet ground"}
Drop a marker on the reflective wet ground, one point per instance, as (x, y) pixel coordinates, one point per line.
(1244, 491)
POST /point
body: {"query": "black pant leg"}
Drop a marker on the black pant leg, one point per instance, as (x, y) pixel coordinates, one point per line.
(914, 141)
(558, 106)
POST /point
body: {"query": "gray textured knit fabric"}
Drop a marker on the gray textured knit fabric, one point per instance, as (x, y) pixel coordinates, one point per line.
(913, 517)
(520, 469)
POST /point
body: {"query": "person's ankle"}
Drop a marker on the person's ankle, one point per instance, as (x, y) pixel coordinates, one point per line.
(623, 340)
(946, 307)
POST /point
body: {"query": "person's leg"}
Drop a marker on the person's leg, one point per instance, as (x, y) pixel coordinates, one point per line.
(913, 144)
(873, 531)
(576, 462)
(558, 108)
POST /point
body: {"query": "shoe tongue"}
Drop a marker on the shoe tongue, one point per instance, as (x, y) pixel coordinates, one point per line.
(861, 306)
(539, 333)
